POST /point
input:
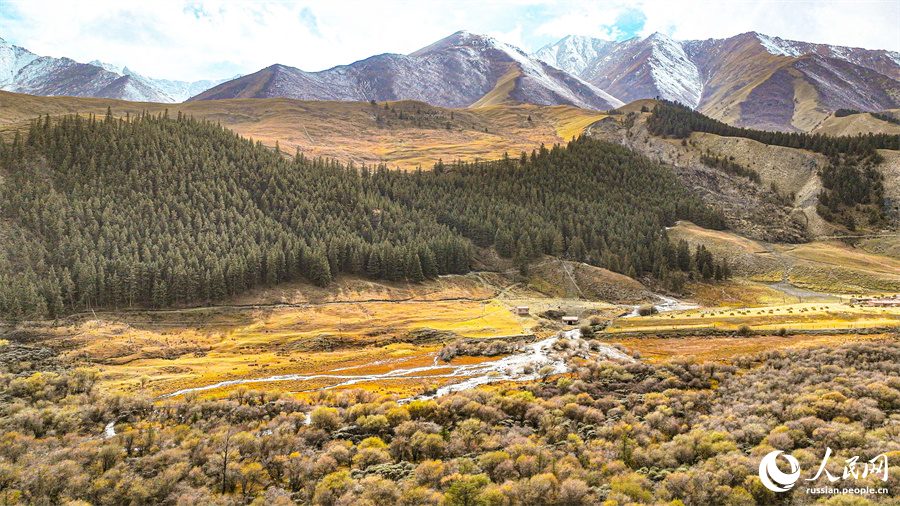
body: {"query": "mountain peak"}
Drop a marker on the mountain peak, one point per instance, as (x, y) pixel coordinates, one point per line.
(659, 36)
(461, 70)
(109, 67)
(22, 71)
(461, 38)
(279, 67)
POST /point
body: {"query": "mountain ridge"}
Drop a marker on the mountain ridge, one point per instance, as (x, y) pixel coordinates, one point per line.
(22, 71)
(750, 79)
(456, 71)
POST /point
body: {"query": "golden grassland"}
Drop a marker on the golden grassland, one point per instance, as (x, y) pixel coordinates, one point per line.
(356, 132)
(793, 317)
(722, 239)
(195, 347)
(376, 338)
(856, 124)
(363, 327)
(160, 352)
(738, 293)
(656, 350)
(827, 266)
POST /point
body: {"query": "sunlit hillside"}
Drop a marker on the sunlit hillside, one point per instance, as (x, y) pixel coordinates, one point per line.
(403, 134)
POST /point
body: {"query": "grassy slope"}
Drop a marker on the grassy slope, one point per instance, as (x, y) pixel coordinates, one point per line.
(855, 124)
(500, 94)
(348, 131)
(727, 94)
(823, 266)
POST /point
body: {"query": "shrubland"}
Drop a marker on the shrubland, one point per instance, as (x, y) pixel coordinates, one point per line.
(681, 432)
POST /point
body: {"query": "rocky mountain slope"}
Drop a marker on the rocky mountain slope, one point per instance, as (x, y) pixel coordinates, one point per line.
(750, 79)
(461, 70)
(25, 72)
(785, 212)
(767, 192)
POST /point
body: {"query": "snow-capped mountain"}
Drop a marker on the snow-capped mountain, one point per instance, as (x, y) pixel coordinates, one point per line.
(25, 72)
(461, 70)
(632, 69)
(573, 53)
(884, 62)
(749, 80)
(13, 58)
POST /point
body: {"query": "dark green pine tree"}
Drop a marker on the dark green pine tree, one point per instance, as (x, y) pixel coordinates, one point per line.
(319, 269)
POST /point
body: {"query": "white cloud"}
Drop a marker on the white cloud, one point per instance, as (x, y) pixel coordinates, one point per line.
(512, 37)
(596, 19)
(860, 23)
(217, 38)
(188, 39)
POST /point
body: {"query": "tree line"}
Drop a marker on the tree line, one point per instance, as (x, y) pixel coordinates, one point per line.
(154, 210)
(840, 113)
(672, 119)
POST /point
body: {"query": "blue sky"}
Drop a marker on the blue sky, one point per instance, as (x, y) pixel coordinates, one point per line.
(191, 40)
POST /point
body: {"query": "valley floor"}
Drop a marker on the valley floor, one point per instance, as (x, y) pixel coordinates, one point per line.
(387, 337)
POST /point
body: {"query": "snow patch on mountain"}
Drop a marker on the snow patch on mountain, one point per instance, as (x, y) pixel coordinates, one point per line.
(109, 67)
(779, 46)
(183, 90)
(12, 59)
(536, 70)
(675, 75)
(25, 72)
(170, 91)
(573, 53)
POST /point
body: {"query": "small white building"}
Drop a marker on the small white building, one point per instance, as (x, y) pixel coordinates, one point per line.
(570, 320)
(521, 309)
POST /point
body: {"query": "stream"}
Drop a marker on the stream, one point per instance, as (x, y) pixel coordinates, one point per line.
(794, 291)
(523, 366)
(109, 431)
(667, 304)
